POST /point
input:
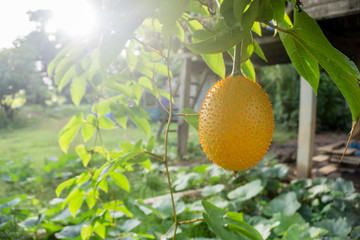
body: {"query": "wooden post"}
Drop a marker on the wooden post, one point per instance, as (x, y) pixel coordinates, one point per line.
(306, 135)
(184, 102)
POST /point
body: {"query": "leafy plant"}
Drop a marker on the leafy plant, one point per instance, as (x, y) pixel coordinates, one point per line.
(128, 57)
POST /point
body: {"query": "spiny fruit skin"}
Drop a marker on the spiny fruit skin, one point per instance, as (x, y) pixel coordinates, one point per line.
(236, 123)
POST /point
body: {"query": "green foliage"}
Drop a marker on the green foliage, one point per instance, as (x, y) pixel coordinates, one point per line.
(114, 69)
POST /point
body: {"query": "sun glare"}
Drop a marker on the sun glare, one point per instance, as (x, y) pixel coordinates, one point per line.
(75, 18)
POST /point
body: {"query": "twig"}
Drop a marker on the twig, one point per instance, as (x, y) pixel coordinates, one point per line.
(166, 139)
(154, 155)
(191, 221)
(186, 115)
(273, 26)
(164, 237)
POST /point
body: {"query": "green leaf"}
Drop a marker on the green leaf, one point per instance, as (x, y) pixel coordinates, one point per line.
(70, 74)
(77, 89)
(297, 231)
(106, 123)
(227, 11)
(285, 203)
(247, 47)
(76, 202)
(66, 184)
(131, 205)
(278, 9)
(146, 83)
(256, 28)
(216, 63)
(247, 191)
(170, 12)
(131, 59)
(211, 190)
(86, 231)
(121, 180)
(88, 127)
(100, 229)
(247, 68)
(216, 43)
(239, 8)
(307, 32)
(69, 232)
(150, 144)
(83, 154)
(119, 111)
(303, 61)
(259, 51)
(193, 120)
(111, 45)
(346, 187)
(218, 222)
(250, 15)
(32, 222)
(68, 132)
(140, 122)
(338, 227)
(287, 221)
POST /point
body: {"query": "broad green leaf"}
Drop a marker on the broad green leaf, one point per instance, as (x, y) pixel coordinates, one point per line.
(131, 59)
(307, 32)
(346, 187)
(131, 205)
(247, 191)
(88, 127)
(106, 123)
(32, 222)
(129, 225)
(285, 203)
(186, 181)
(250, 15)
(227, 10)
(150, 144)
(146, 83)
(216, 63)
(83, 154)
(140, 122)
(91, 198)
(287, 221)
(247, 68)
(86, 231)
(338, 227)
(111, 45)
(164, 206)
(76, 202)
(77, 89)
(121, 180)
(259, 51)
(247, 47)
(170, 12)
(101, 108)
(69, 59)
(66, 78)
(218, 222)
(68, 132)
(83, 178)
(278, 9)
(297, 231)
(256, 28)
(219, 42)
(100, 229)
(303, 61)
(211, 190)
(64, 185)
(69, 232)
(239, 8)
(193, 120)
(120, 114)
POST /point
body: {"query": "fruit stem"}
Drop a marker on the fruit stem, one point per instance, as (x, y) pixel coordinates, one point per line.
(236, 60)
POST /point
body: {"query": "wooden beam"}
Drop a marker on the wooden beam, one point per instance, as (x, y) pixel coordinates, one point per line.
(184, 102)
(306, 135)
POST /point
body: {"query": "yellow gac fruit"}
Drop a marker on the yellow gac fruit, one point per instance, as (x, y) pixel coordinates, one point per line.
(236, 123)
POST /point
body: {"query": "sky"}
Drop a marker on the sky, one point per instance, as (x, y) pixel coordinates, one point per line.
(14, 21)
